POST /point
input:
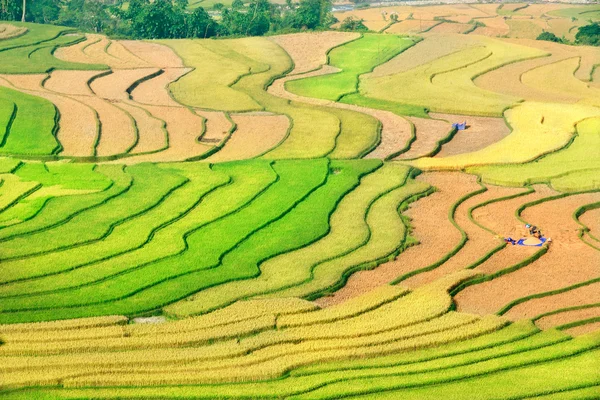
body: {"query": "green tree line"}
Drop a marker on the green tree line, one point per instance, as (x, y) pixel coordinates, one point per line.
(170, 19)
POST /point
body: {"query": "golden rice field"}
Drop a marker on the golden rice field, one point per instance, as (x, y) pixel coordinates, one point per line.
(296, 216)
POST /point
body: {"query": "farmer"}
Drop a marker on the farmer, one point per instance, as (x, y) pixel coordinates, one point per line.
(534, 231)
(510, 240)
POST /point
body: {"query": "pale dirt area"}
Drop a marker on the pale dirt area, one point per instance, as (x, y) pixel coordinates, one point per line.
(589, 294)
(78, 127)
(117, 133)
(114, 86)
(8, 31)
(461, 19)
(428, 132)
(427, 50)
(98, 49)
(411, 26)
(308, 50)
(71, 82)
(437, 236)
(395, 131)
(254, 136)
(479, 243)
(583, 329)
(450, 28)
(217, 126)
(155, 91)
(567, 262)
(568, 317)
(184, 129)
(151, 136)
(154, 54)
(481, 132)
(591, 219)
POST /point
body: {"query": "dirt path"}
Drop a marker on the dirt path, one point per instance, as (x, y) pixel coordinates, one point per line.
(428, 133)
(155, 91)
(255, 135)
(480, 242)
(481, 132)
(308, 50)
(77, 130)
(437, 236)
(395, 130)
(588, 294)
(567, 262)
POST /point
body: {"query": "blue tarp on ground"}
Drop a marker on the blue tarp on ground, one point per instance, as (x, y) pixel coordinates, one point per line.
(460, 127)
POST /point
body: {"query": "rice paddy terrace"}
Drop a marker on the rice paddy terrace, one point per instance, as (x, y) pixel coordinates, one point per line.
(296, 217)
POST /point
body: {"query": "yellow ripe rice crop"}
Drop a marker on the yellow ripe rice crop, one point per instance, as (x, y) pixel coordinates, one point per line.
(538, 128)
(66, 324)
(445, 85)
(348, 309)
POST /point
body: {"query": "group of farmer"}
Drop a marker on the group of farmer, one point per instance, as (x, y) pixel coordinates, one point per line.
(534, 231)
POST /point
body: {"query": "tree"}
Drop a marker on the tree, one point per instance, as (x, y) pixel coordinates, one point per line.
(24, 10)
(589, 35)
(312, 14)
(10, 10)
(200, 25)
(549, 37)
(353, 24)
(218, 6)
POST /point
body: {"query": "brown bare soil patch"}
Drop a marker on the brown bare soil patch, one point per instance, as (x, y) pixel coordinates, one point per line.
(591, 219)
(255, 135)
(461, 19)
(451, 27)
(567, 262)
(507, 79)
(428, 132)
(151, 136)
(437, 236)
(184, 129)
(479, 243)
(481, 132)
(567, 317)
(155, 91)
(411, 26)
(29, 82)
(71, 82)
(117, 133)
(77, 130)
(98, 49)
(308, 50)
(114, 86)
(489, 9)
(8, 31)
(495, 26)
(538, 10)
(588, 294)
(583, 329)
(427, 50)
(217, 126)
(154, 54)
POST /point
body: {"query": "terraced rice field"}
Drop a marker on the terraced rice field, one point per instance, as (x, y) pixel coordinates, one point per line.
(296, 216)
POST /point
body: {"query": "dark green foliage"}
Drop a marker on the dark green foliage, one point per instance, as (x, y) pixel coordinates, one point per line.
(353, 24)
(589, 35)
(549, 37)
